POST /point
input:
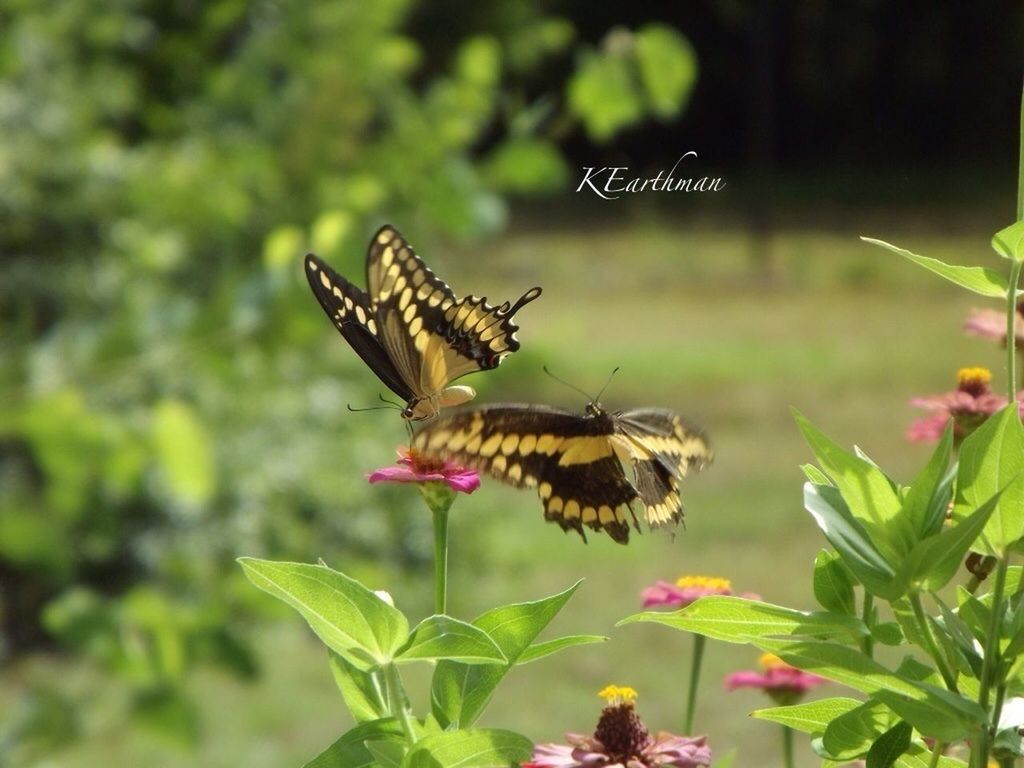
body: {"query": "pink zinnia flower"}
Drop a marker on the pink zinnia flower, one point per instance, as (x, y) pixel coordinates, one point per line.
(785, 684)
(414, 468)
(688, 589)
(968, 405)
(621, 740)
(991, 324)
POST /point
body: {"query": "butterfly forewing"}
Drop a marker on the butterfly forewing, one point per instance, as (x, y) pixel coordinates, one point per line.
(425, 336)
(574, 461)
(352, 313)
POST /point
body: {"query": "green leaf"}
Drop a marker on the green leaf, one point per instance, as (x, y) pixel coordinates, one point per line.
(350, 750)
(526, 165)
(388, 754)
(473, 748)
(833, 584)
(668, 68)
(546, 648)
(810, 717)
(460, 692)
(980, 280)
(889, 746)
(359, 689)
(738, 620)
(444, 637)
(603, 95)
(851, 541)
(868, 493)
(932, 710)
(851, 735)
(349, 618)
(927, 500)
(990, 459)
(920, 757)
(934, 561)
(1009, 242)
(184, 452)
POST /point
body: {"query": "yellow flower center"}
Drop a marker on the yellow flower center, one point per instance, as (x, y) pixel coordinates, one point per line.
(617, 694)
(771, 661)
(973, 376)
(704, 582)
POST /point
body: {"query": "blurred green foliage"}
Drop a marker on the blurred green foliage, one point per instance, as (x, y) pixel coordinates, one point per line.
(171, 396)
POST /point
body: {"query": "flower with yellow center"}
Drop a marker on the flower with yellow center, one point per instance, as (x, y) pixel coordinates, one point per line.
(974, 379)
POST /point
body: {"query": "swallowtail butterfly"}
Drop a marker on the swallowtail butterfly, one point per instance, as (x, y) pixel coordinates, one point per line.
(576, 461)
(411, 329)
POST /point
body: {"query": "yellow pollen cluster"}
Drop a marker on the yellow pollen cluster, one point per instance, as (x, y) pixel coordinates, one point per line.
(617, 694)
(975, 375)
(771, 661)
(704, 582)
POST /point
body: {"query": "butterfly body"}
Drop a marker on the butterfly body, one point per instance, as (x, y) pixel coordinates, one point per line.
(575, 461)
(411, 329)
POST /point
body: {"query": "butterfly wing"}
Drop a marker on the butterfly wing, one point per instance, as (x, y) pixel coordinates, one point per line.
(567, 458)
(352, 312)
(662, 448)
(432, 336)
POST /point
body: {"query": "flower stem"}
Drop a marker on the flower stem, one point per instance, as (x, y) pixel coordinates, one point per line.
(1011, 332)
(933, 648)
(440, 560)
(398, 705)
(787, 747)
(990, 665)
(691, 696)
(867, 616)
(937, 751)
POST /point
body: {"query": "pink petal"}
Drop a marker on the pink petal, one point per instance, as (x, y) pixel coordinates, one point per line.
(745, 679)
(662, 593)
(463, 481)
(928, 429)
(393, 475)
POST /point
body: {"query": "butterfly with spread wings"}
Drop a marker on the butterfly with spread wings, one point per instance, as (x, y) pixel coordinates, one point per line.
(576, 461)
(411, 329)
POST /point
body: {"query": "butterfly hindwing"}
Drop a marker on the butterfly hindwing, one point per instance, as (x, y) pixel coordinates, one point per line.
(576, 461)
(351, 311)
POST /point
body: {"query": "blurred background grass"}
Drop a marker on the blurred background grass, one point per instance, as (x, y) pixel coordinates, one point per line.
(171, 396)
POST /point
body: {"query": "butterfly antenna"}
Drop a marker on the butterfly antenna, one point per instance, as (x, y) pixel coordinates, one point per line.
(566, 383)
(610, 377)
(388, 405)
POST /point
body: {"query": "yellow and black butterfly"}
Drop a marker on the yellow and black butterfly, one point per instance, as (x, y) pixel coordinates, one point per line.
(576, 461)
(410, 328)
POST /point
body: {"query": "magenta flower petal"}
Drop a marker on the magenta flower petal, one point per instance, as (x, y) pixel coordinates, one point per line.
(414, 469)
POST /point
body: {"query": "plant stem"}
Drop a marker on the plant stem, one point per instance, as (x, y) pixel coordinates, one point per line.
(787, 747)
(398, 706)
(440, 560)
(1011, 332)
(933, 648)
(990, 662)
(691, 696)
(937, 751)
(867, 616)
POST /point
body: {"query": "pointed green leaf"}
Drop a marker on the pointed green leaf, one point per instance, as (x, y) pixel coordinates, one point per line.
(359, 689)
(349, 618)
(935, 560)
(868, 493)
(851, 541)
(546, 648)
(889, 746)
(928, 498)
(444, 637)
(851, 735)
(833, 584)
(1009, 242)
(388, 754)
(810, 717)
(459, 692)
(350, 750)
(980, 280)
(990, 458)
(738, 620)
(472, 748)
